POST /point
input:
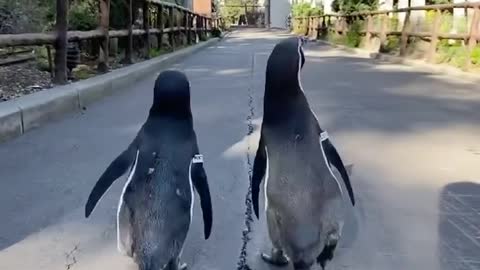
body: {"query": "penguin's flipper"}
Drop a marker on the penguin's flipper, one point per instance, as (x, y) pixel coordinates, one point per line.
(116, 169)
(199, 180)
(334, 158)
(259, 169)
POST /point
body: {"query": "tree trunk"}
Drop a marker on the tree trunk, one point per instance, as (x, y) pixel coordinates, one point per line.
(104, 24)
(147, 29)
(129, 48)
(61, 43)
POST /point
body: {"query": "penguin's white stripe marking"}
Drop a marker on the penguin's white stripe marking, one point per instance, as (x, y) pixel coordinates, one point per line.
(195, 159)
(266, 180)
(191, 188)
(323, 135)
(298, 73)
(120, 248)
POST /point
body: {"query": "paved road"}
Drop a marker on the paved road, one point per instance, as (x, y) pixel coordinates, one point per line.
(412, 137)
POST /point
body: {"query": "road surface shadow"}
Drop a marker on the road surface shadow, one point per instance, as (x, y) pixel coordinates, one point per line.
(459, 226)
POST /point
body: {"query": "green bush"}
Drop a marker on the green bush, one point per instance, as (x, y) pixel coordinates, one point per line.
(349, 6)
(41, 58)
(475, 56)
(305, 10)
(353, 37)
(456, 54)
(216, 32)
(154, 52)
(83, 16)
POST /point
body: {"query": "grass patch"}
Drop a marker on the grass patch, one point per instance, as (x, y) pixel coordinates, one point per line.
(155, 52)
(456, 54)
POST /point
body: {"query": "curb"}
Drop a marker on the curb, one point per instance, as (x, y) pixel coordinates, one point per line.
(31, 111)
(432, 68)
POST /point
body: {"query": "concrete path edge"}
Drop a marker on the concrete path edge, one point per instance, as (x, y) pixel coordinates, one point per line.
(31, 111)
(432, 68)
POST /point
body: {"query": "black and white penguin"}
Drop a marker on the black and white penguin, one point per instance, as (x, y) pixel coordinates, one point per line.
(303, 199)
(156, 205)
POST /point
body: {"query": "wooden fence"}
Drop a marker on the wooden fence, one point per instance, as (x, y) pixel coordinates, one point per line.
(320, 26)
(159, 18)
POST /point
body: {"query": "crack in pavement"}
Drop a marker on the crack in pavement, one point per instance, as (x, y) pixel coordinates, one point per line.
(71, 255)
(242, 262)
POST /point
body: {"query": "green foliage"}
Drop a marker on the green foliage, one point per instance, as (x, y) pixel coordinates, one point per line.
(456, 54)
(391, 44)
(305, 10)
(300, 11)
(216, 32)
(21, 16)
(82, 72)
(154, 52)
(349, 6)
(353, 37)
(41, 58)
(475, 56)
(234, 9)
(83, 16)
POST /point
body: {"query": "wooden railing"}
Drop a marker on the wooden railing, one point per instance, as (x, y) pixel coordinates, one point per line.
(320, 26)
(166, 18)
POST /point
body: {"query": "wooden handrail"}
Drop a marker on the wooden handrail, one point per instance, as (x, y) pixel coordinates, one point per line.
(472, 37)
(60, 37)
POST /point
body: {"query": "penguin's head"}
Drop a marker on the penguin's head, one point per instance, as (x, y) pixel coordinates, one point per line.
(284, 65)
(171, 94)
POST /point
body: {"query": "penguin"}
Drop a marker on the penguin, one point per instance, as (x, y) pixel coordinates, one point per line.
(165, 168)
(304, 202)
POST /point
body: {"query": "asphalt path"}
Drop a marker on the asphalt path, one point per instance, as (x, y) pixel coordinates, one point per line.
(411, 136)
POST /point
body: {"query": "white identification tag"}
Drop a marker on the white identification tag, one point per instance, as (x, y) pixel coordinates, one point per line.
(197, 159)
(323, 136)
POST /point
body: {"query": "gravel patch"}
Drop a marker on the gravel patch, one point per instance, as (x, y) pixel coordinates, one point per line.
(22, 79)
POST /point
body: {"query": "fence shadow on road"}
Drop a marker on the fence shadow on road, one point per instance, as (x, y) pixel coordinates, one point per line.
(459, 226)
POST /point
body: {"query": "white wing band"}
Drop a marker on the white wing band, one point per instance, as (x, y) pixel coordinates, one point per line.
(323, 136)
(197, 159)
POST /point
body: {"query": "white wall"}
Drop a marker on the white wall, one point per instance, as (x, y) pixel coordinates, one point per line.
(279, 10)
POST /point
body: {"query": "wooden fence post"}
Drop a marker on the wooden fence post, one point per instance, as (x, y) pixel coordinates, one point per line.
(184, 23)
(434, 37)
(129, 48)
(61, 43)
(383, 32)
(205, 30)
(172, 27)
(324, 28)
(160, 24)
(195, 27)
(146, 27)
(104, 24)
(188, 21)
(344, 26)
(404, 37)
(368, 35)
(472, 40)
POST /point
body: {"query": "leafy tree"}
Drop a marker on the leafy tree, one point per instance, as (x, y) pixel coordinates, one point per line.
(349, 6)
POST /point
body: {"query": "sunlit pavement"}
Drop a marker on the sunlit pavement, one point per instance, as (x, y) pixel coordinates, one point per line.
(412, 137)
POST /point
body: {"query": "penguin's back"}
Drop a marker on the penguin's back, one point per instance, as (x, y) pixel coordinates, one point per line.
(160, 194)
(299, 179)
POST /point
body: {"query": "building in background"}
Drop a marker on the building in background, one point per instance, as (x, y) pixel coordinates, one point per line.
(203, 7)
(279, 10)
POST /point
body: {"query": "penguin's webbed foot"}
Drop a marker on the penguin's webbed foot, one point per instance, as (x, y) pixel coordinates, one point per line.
(176, 265)
(276, 257)
(182, 266)
(326, 255)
